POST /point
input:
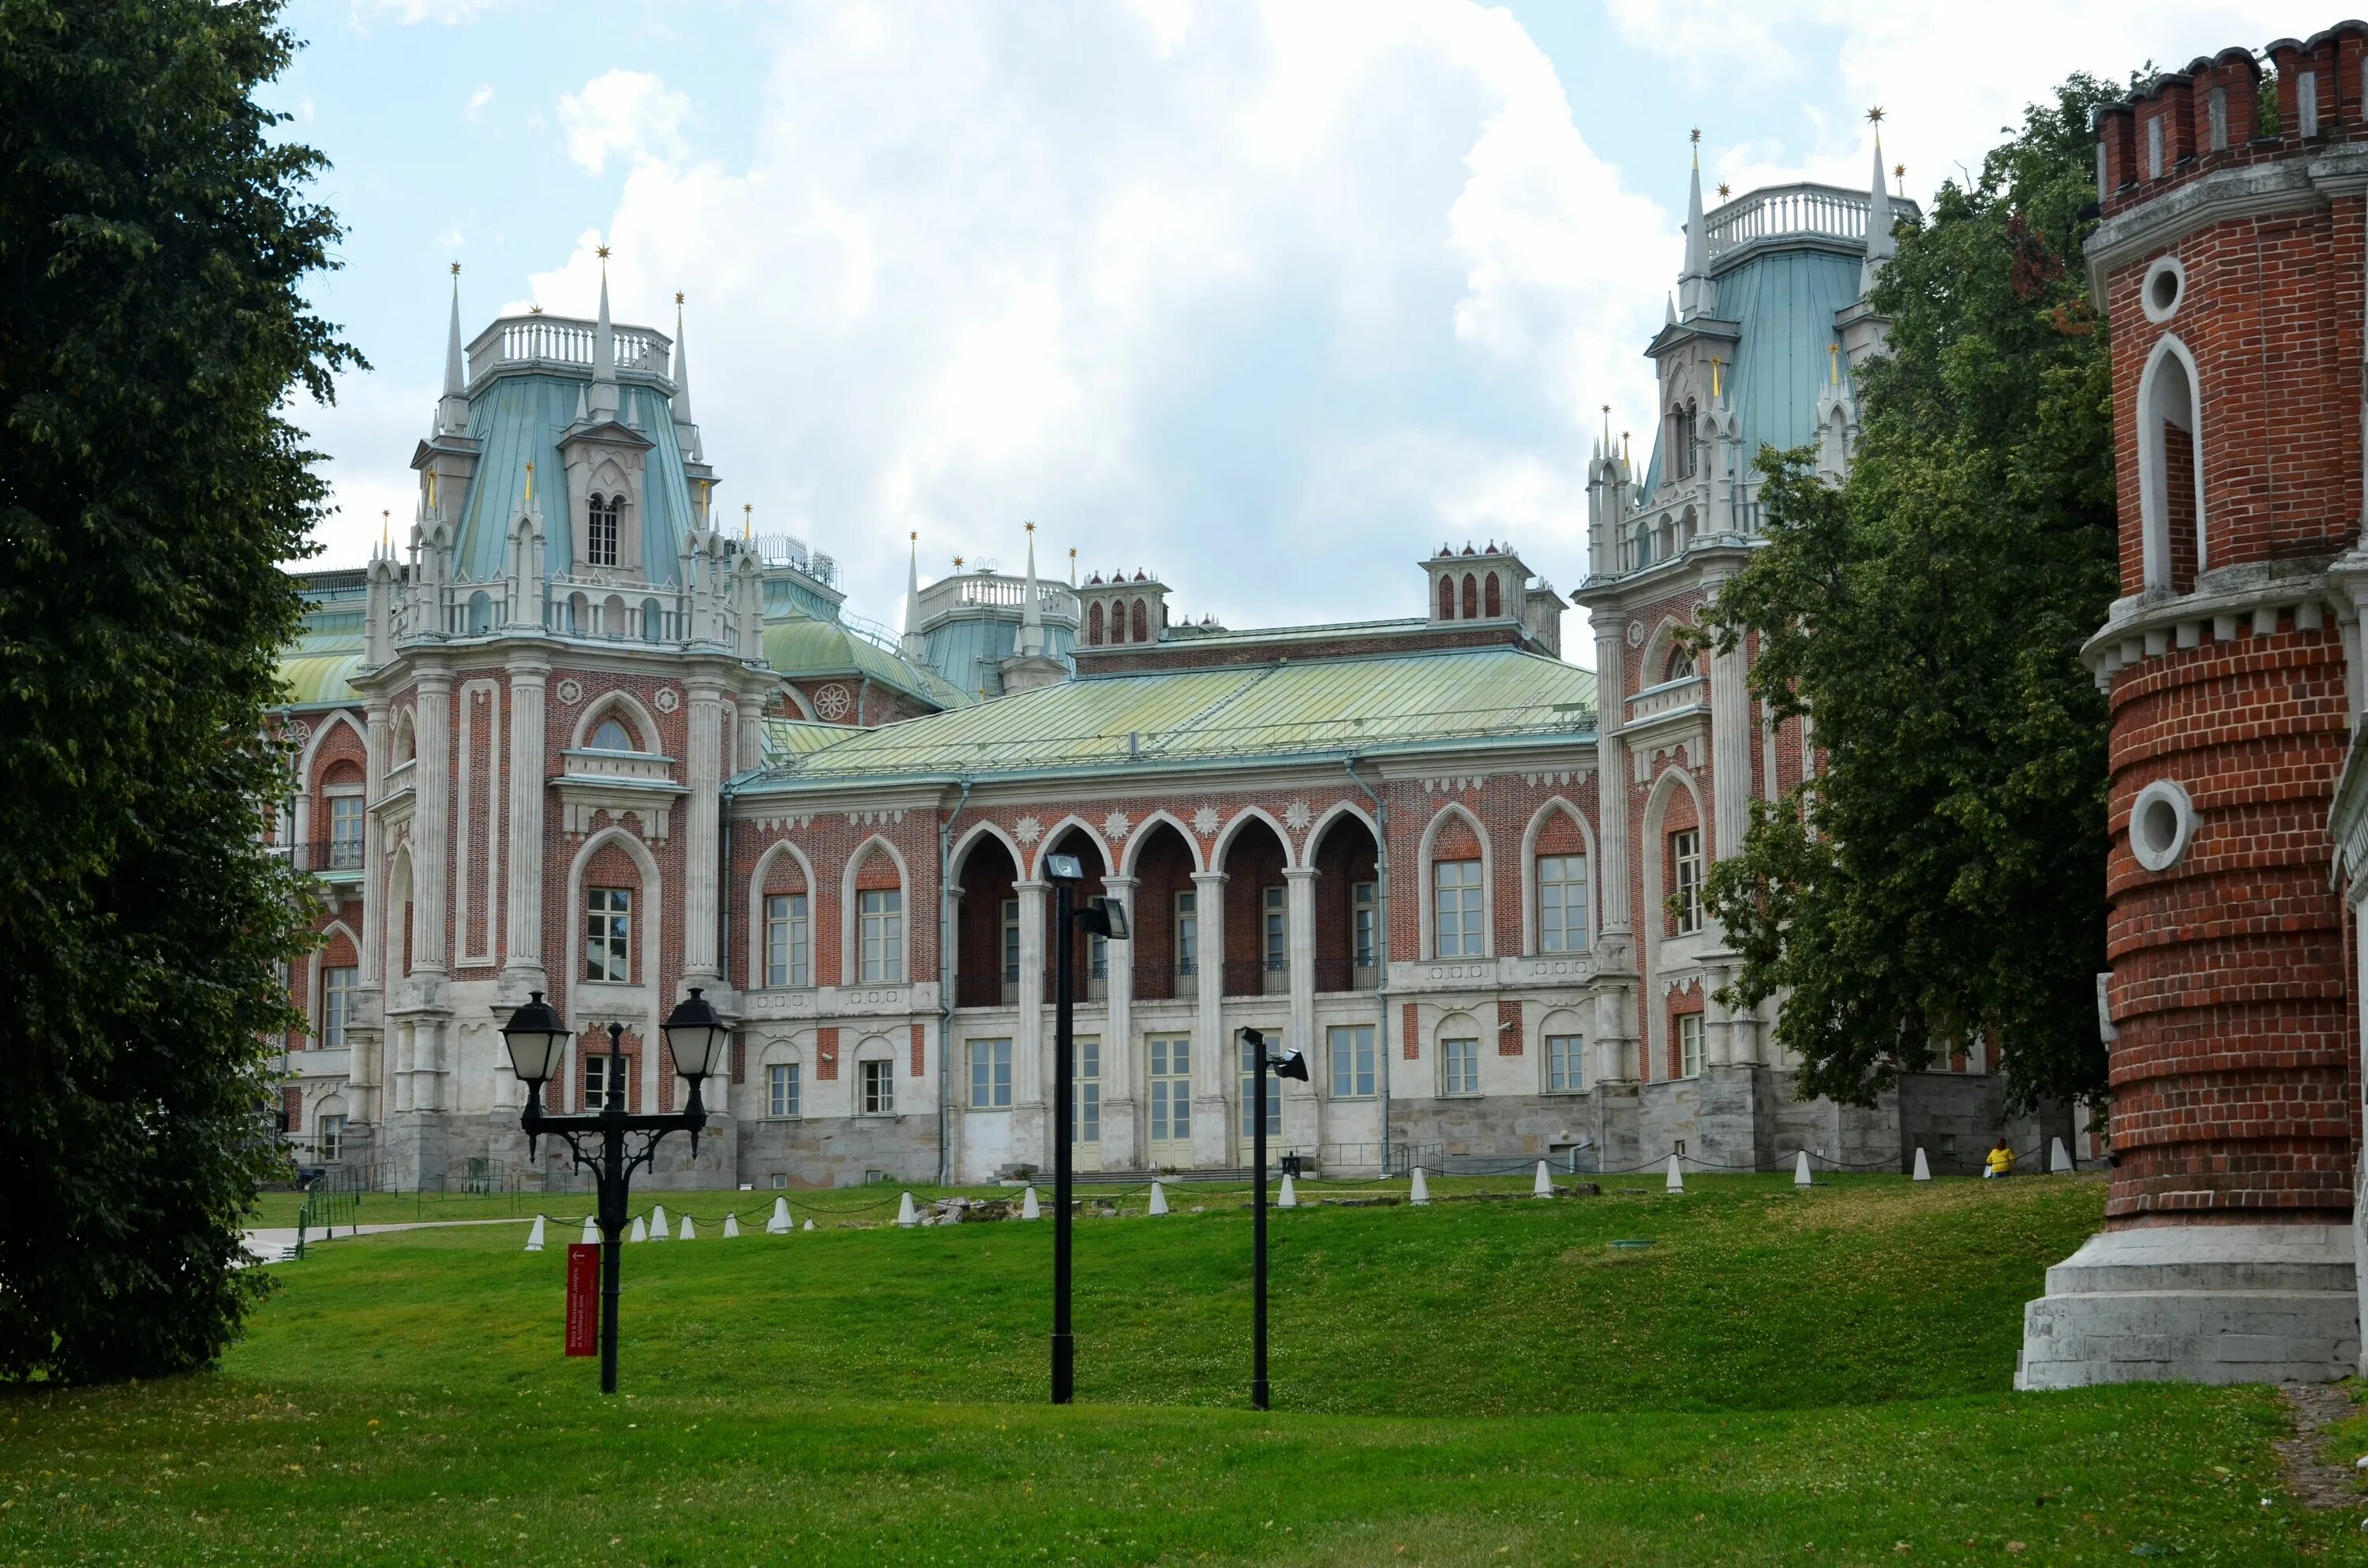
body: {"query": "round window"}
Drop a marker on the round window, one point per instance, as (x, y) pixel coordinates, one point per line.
(2166, 286)
(2161, 823)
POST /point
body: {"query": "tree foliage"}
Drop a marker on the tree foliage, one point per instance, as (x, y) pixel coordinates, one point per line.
(1942, 877)
(154, 233)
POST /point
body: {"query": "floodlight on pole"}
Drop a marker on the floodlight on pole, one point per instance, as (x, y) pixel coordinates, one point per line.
(1290, 1064)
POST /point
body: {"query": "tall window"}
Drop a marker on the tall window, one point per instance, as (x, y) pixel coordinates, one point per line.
(1686, 872)
(1364, 924)
(1086, 1086)
(1562, 903)
(1010, 941)
(608, 932)
(337, 1005)
(784, 1086)
(1274, 931)
(1188, 934)
(600, 545)
(344, 831)
(1254, 1073)
(878, 1088)
(1690, 1045)
(1352, 1061)
(1455, 909)
(1097, 956)
(883, 915)
(597, 1086)
(990, 1074)
(788, 940)
(1463, 1061)
(1565, 1062)
(611, 735)
(329, 1139)
(1171, 1088)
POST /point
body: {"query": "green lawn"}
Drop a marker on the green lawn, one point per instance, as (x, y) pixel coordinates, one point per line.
(1813, 1378)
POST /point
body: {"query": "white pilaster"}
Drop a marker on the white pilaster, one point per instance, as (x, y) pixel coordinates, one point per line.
(1031, 1138)
(1299, 1103)
(1211, 1065)
(522, 966)
(703, 818)
(1730, 748)
(374, 910)
(431, 856)
(1119, 1147)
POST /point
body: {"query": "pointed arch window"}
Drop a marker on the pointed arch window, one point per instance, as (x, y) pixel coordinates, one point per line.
(1494, 603)
(1446, 598)
(1139, 622)
(600, 538)
(1471, 597)
(611, 735)
(2170, 487)
(1094, 626)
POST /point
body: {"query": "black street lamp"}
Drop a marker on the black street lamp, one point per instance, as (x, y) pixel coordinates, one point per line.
(1290, 1064)
(536, 1037)
(1103, 918)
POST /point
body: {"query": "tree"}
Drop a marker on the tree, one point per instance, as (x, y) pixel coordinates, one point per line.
(1942, 877)
(153, 237)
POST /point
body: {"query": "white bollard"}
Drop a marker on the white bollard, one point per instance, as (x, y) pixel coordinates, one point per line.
(658, 1223)
(591, 1230)
(688, 1231)
(1290, 1199)
(905, 1215)
(2059, 1158)
(731, 1226)
(1801, 1170)
(809, 1224)
(1923, 1165)
(1677, 1182)
(1158, 1199)
(534, 1237)
(779, 1225)
(1543, 1186)
(1027, 1209)
(1421, 1190)
(641, 1230)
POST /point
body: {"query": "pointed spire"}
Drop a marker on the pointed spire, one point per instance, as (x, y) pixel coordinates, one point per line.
(452, 408)
(1694, 289)
(604, 352)
(913, 644)
(1880, 246)
(686, 428)
(1031, 613)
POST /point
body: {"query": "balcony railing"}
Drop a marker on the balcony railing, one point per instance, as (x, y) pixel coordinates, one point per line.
(1346, 974)
(1691, 691)
(1783, 211)
(1256, 977)
(328, 857)
(1165, 981)
(982, 990)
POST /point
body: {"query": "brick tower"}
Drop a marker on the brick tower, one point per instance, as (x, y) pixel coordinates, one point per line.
(2231, 264)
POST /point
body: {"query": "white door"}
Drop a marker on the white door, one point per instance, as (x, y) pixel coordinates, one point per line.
(1170, 1093)
(1085, 1105)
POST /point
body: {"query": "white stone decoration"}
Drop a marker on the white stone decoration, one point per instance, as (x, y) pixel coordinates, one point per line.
(833, 702)
(570, 691)
(1116, 826)
(668, 699)
(1296, 816)
(300, 731)
(1204, 821)
(1028, 830)
(1636, 634)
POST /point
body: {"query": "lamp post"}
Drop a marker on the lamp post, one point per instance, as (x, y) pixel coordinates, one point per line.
(537, 1038)
(1103, 918)
(1290, 1064)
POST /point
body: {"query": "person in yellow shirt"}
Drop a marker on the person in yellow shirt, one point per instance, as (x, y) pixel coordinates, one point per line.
(2001, 1161)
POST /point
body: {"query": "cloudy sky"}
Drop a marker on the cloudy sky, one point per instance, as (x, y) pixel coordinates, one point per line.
(1272, 296)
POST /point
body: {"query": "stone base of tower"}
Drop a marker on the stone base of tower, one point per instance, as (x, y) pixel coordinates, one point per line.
(2197, 1304)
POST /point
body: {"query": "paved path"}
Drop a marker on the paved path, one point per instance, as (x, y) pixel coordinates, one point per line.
(278, 1243)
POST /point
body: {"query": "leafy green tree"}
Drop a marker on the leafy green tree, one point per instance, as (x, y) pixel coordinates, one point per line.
(154, 233)
(1943, 876)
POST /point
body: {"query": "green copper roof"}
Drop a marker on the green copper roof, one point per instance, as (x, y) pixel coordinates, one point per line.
(804, 647)
(518, 419)
(1459, 697)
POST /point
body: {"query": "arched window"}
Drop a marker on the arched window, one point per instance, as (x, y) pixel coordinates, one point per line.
(1641, 545)
(480, 614)
(1493, 605)
(653, 621)
(600, 538)
(611, 735)
(1094, 626)
(2169, 488)
(1446, 598)
(1471, 597)
(1139, 622)
(1681, 665)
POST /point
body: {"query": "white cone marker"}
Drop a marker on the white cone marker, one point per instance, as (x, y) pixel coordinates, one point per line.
(641, 1230)
(1801, 1169)
(1158, 1199)
(1027, 1209)
(809, 1224)
(688, 1233)
(779, 1225)
(905, 1215)
(1543, 1186)
(1290, 1199)
(1677, 1182)
(1923, 1165)
(658, 1223)
(1421, 1190)
(534, 1237)
(2059, 1159)
(591, 1230)
(731, 1226)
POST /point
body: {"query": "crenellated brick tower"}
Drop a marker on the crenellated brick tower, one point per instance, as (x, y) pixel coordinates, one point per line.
(2231, 264)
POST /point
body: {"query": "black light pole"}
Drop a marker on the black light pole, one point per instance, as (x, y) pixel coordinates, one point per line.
(1105, 919)
(537, 1038)
(1290, 1064)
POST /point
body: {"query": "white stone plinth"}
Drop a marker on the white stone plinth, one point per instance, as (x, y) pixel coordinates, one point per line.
(2198, 1304)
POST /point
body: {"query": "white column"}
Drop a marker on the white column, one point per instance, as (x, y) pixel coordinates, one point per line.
(1213, 1063)
(1300, 1127)
(1119, 1150)
(703, 814)
(431, 851)
(1730, 747)
(1611, 778)
(374, 910)
(522, 922)
(748, 733)
(1030, 1128)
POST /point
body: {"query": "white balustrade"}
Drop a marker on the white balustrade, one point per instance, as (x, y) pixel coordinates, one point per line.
(1693, 691)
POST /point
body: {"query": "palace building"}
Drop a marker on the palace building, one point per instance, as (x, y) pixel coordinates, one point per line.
(580, 735)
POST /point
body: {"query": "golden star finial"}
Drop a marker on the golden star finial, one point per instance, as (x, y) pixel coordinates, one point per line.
(534, 309)
(1030, 526)
(456, 270)
(1724, 190)
(601, 251)
(958, 561)
(1694, 135)
(678, 296)
(1874, 115)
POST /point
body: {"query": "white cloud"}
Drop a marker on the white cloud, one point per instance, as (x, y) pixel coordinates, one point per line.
(479, 99)
(628, 114)
(1271, 294)
(411, 13)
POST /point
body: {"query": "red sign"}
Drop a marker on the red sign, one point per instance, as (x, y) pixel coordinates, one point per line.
(583, 1299)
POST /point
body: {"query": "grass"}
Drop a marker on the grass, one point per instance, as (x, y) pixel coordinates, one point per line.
(1780, 1377)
